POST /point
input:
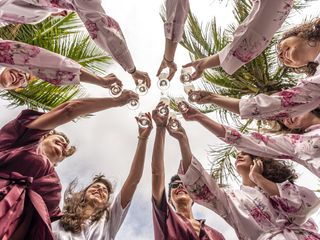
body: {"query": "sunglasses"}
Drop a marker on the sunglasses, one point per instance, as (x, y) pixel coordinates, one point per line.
(175, 184)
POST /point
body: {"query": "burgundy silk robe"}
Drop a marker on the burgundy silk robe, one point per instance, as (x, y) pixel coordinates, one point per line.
(26, 174)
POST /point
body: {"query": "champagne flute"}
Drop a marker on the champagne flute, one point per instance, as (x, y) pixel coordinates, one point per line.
(115, 90)
(189, 90)
(164, 109)
(133, 104)
(141, 88)
(163, 82)
(173, 121)
(143, 120)
(185, 76)
(183, 107)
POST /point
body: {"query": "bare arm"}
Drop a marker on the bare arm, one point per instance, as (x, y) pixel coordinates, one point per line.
(157, 165)
(136, 170)
(75, 108)
(105, 82)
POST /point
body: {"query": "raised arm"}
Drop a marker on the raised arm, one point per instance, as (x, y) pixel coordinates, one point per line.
(70, 110)
(249, 39)
(157, 164)
(176, 16)
(107, 34)
(136, 170)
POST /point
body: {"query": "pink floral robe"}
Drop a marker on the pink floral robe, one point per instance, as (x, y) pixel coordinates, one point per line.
(49, 66)
(301, 148)
(176, 16)
(251, 212)
(26, 175)
(288, 103)
(104, 30)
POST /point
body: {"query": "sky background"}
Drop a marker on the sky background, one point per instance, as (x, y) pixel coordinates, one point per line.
(106, 142)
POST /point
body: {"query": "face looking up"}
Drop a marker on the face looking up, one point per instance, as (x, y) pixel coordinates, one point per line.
(296, 52)
(179, 194)
(243, 163)
(55, 148)
(300, 122)
(12, 78)
(98, 194)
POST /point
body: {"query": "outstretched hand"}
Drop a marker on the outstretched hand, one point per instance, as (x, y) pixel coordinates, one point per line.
(172, 68)
(139, 76)
(145, 132)
(160, 120)
(125, 97)
(178, 132)
(201, 97)
(110, 80)
(199, 66)
(191, 114)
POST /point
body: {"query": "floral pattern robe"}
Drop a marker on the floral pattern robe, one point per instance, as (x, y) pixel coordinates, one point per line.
(301, 148)
(251, 212)
(26, 175)
(104, 30)
(49, 66)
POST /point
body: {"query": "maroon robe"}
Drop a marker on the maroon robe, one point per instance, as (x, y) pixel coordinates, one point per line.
(26, 175)
(169, 225)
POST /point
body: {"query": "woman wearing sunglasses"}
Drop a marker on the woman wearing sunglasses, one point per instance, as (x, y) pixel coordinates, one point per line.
(104, 30)
(21, 61)
(268, 206)
(173, 218)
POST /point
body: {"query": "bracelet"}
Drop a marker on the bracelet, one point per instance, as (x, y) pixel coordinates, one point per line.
(164, 57)
(142, 138)
(133, 70)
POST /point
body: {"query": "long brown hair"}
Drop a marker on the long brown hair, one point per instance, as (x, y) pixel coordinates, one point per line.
(309, 31)
(74, 205)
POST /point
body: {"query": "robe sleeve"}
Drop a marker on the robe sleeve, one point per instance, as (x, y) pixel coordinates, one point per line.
(250, 38)
(296, 202)
(16, 134)
(159, 217)
(288, 103)
(176, 16)
(204, 190)
(117, 215)
(105, 31)
(46, 65)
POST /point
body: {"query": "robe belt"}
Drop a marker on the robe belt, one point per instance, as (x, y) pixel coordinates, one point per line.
(288, 231)
(17, 178)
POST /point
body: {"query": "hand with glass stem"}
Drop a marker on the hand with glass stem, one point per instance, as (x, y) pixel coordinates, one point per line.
(168, 59)
(140, 77)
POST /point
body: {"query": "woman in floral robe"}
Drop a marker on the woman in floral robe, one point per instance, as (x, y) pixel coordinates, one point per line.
(104, 30)
(21, 61)
(29, 185)
(302, 147)
(268, 206)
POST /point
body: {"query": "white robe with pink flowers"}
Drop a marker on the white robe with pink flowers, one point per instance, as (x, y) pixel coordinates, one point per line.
(251, 212)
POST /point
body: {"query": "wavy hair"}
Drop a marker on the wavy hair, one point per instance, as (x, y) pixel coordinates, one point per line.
(74, 215)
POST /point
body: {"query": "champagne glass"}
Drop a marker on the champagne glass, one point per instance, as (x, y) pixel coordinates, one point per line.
(183, 107)
(173, 121)
(185, 76)
(143, 120)
(163, 82)
(115, 90)
(141, 88)
(189, 90)
(133, 104)
(164, 109)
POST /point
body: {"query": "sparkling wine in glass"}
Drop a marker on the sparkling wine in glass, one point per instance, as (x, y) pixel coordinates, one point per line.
(185, 76)
(143, 120)
(173, 121)
(141, 88)
(115, 90)
(164, 110)
(183, 107)
(163, 82)
(133, 104)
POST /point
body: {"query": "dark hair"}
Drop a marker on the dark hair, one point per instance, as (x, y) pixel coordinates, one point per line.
(283, 128)
(277, 171)
(173, 179)
(309, 31)
(74, 205)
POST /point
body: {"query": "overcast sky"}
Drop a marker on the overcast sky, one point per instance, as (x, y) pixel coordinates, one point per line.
(106, 142)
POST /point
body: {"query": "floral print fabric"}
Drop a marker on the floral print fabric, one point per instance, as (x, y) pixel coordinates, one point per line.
(104, 30)
(301, 148)
(288, 103)
(251, 212)
(176, 16)
(42, 63)
(250, 39)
